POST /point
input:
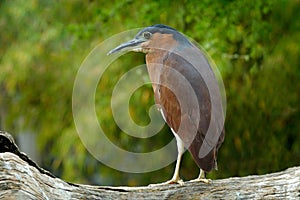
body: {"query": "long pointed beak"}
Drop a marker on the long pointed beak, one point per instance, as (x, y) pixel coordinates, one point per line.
(131, 45)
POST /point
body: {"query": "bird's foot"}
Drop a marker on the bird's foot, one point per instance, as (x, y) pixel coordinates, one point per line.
(172, 181)
(203, 180)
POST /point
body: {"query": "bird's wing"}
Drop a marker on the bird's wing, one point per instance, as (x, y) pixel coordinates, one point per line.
(187, 105)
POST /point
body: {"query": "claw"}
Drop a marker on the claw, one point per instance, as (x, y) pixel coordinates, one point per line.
(179, 181)
(203, 180)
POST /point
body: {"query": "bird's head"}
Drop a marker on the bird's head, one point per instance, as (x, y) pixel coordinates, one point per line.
(153, 38)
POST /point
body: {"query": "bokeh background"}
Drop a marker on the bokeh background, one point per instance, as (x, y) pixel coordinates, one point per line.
(255, 44)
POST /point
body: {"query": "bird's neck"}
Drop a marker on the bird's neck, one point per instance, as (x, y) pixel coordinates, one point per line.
(154, 61)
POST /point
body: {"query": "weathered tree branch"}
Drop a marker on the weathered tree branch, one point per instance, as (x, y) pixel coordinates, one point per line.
(21, 178)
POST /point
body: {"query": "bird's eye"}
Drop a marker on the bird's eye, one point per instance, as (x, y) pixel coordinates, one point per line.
(147, 35)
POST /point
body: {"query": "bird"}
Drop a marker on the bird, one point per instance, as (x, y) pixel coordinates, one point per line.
(186, 92)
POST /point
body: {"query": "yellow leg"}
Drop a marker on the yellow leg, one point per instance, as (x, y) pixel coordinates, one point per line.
(201, 174)
(201, 178)
(176, 177)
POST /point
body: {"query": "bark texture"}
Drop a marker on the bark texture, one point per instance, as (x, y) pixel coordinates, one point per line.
(21, 178)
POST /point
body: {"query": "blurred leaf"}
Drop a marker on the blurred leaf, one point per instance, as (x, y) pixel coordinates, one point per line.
(255, 44)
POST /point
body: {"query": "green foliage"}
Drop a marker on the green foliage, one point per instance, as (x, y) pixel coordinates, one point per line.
(255, 45)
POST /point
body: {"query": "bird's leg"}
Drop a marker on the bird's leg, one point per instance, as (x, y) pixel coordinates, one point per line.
(175, 178)
(201, 178)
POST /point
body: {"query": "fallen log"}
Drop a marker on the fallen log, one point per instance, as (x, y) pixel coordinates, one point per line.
(21, 178)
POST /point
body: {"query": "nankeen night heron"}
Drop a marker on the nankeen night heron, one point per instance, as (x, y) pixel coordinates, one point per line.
(186, 92)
